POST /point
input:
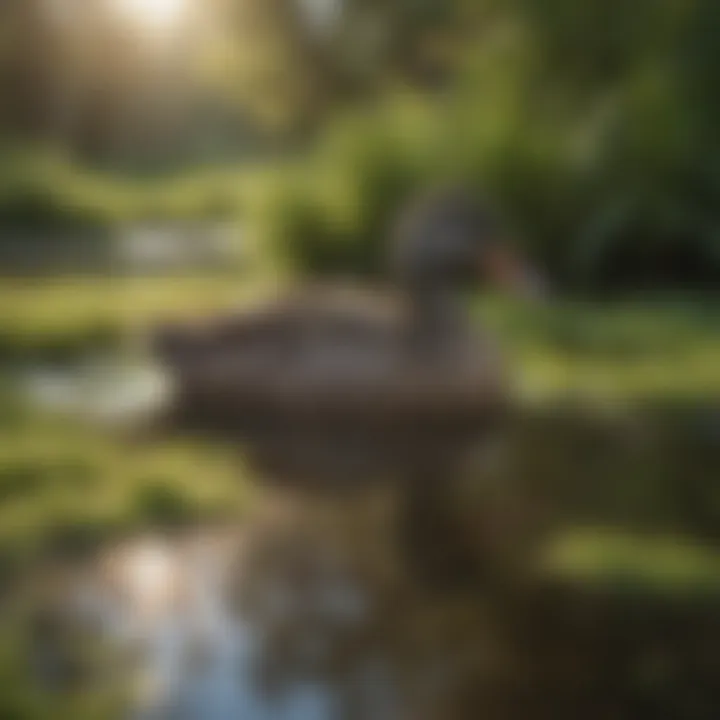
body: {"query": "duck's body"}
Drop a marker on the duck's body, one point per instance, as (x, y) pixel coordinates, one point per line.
(347, 373)
(335, 352)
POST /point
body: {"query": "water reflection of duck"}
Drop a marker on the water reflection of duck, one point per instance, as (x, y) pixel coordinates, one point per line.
(338, 359)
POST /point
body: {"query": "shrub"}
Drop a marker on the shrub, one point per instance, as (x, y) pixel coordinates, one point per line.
(34, 207)
(334, 214)
(161, 502)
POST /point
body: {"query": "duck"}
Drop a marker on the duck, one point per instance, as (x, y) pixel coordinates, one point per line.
(338, 379)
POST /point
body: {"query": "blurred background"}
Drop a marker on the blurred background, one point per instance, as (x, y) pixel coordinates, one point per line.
(171, 158)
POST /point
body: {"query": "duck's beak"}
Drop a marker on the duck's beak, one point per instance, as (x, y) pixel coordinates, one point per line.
(505, 268)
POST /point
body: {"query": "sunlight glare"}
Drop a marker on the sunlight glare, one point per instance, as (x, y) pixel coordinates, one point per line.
(150, 574)
(154, 14)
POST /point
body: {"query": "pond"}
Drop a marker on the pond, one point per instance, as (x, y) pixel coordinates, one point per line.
(311, 610)
(279, 619)
(167, 602)
(108, 388)
(152, 248)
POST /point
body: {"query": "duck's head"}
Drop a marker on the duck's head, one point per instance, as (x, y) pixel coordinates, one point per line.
(448, 239)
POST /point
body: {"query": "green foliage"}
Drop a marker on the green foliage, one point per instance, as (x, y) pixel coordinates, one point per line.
(66, 488)
(334, 213)
(159, 502)
(37, 208)
(42, 192)
(586, 124)
(19, 345)
(593, 126)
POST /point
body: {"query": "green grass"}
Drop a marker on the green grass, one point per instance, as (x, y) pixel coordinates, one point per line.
(662, 563)
(74, 304)
(67, 487)
(621, 350)
(42, 318)
(39, 189)
(618, 351)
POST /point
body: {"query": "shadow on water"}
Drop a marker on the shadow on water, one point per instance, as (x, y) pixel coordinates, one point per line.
(446, 601)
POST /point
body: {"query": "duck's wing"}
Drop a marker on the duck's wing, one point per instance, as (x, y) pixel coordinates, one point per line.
(341, 352)
(300, 345)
